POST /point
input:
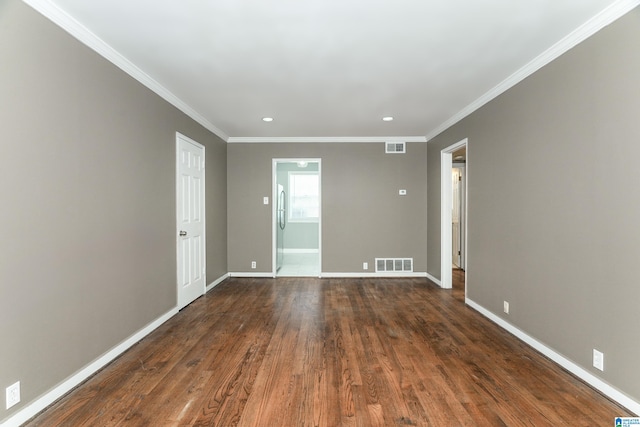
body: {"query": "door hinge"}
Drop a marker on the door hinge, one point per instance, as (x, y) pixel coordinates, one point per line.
(459, 177)
(459, 253)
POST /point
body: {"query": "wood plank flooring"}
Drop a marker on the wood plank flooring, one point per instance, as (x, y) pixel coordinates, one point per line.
(331, 352)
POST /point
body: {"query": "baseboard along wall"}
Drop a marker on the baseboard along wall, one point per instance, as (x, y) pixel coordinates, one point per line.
(561, 360)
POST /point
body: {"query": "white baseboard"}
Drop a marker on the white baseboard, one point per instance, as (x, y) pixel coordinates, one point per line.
(434, 280)
(51, 396)
(567, 364)
(217, 282)
(364, 274)
(337, 275)
(250, 275)
(300, 251)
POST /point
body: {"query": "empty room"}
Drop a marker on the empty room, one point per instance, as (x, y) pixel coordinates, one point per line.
(319, 213)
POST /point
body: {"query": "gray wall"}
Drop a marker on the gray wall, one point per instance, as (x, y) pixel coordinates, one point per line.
(553, 206)
(87, 184)
(363, 216)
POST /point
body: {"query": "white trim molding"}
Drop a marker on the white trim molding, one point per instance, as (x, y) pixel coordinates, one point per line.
(324, 139)
(387, 274)
(61, 18)
(567, 364)
(76, 379)
(434, 279)
(54, 13)
(595, 24)
(251, 275)
(217, 282)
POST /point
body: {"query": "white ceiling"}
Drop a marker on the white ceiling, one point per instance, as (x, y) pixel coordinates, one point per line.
(333, 68)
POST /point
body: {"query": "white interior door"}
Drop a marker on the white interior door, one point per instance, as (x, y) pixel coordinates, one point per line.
(190, 220)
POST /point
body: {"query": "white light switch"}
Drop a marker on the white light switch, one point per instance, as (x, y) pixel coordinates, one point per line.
(265, 200)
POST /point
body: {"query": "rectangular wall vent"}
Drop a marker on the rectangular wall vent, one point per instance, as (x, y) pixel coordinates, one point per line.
(395, 147)
(384, 265)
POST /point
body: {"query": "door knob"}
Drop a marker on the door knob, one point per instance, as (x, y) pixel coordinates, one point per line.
(183, 233)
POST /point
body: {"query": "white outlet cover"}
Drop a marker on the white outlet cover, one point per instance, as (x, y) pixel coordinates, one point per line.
(13, 395)
(365, 265)
(506, 307)
(598, 359)
(402, 192)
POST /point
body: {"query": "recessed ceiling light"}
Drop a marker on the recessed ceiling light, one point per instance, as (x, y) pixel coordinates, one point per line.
(267, 119)
(387, 119)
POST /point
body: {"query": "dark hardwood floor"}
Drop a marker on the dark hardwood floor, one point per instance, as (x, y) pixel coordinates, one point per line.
(331, 352)
(457, 283)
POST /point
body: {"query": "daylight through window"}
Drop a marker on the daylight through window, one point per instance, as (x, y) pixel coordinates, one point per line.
(304, 197)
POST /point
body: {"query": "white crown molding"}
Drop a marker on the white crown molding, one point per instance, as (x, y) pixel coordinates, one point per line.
(592, 26)
(324, 139)
(558, 358)
(85, 36)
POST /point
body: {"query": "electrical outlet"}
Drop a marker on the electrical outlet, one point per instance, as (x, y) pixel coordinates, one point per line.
(253, 264)
(265, 200)
(13, 394)
(506, 307)
(598, 359)
(365, 265)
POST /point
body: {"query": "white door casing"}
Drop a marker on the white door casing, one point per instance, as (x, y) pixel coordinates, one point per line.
(274, 195)
(446, 204)
(190, 232)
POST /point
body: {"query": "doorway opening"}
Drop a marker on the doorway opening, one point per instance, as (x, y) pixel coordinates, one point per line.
(453, 216)
(458, 209)
(458, 221)
(297, 219)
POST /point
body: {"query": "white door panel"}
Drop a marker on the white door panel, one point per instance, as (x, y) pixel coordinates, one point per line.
(190, 221)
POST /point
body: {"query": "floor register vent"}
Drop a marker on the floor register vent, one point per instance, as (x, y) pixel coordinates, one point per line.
(398, 265)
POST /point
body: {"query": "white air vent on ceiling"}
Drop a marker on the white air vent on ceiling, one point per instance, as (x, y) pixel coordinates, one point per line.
(395, 147)
(394, 265)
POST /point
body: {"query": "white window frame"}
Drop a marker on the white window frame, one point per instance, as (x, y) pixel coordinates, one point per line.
(290, 195)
